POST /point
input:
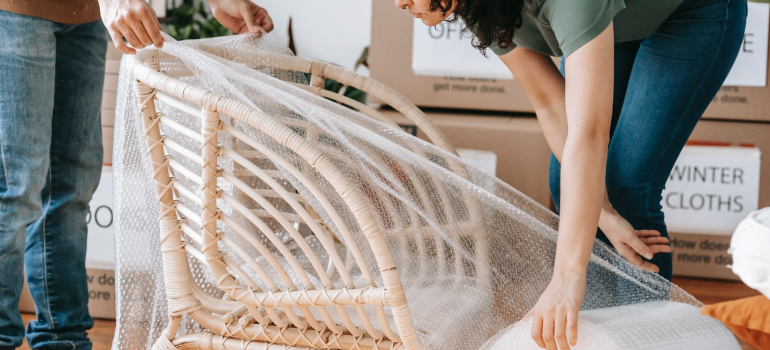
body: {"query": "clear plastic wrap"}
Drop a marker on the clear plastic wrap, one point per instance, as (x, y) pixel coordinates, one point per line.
(473, 253)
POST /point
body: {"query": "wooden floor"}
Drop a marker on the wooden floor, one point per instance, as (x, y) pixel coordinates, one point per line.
(101, 335)
(707, 291)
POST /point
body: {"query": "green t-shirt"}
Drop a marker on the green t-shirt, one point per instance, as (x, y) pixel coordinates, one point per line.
(559, 27)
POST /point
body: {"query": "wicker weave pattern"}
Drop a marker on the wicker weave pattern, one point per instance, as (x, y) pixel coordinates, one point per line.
(250, 317)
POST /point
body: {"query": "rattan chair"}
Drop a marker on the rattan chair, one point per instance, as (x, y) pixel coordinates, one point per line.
(248, 316)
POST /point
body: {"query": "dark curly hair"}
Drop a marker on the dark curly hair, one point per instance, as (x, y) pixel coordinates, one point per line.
(492, 21)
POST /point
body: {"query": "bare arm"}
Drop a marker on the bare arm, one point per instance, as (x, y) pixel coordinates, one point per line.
(578, 134)
(588, 102)
(546, 87)
(589, 88)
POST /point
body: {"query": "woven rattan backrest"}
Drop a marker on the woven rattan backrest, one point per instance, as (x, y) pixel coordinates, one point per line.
(271, 308)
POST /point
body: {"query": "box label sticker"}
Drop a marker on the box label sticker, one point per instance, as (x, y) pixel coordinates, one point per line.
(101, 285)
(731, 95)
(750, 68)
(444, 50)
(101, 293)
(711, 189)
(486, 161)
(701, 255)
(469, 85)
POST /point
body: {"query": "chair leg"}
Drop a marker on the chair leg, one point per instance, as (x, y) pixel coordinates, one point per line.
(164, 342)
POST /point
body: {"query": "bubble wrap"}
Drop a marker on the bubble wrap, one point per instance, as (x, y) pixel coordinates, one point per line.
(473, 253)
(656, 325)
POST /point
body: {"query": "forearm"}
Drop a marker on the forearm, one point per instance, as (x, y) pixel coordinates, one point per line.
(582, 191)
(553, 122)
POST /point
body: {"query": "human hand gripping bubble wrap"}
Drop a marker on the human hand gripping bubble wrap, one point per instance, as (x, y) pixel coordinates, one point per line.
(473, 253)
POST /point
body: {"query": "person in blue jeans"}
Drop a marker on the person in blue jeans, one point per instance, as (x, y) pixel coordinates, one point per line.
(636, 76)
(52, 58)
(51, 77)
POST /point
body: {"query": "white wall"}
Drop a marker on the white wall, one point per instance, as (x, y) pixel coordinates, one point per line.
(334, 31)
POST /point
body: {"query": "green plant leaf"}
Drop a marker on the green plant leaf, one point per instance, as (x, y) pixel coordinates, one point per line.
(202, 10)
(171, 29)
(187, 32)
(194, 22)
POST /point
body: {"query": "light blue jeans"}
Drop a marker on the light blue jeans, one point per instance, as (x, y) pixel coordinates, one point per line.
(663, 84)
(51, 78)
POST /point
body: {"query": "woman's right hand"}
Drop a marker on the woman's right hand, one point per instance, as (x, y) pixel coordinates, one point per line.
(630, 243)
(555, 322)
(134, 20)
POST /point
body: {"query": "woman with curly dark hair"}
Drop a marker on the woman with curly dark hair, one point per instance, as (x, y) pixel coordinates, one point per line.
(635, 77)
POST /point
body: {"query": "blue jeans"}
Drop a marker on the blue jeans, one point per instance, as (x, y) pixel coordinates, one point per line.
(51, 78)
(663, 84)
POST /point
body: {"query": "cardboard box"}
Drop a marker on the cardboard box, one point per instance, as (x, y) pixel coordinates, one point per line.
(711, 189)
(107, 137)
(702, 255)
(391, 63)
(740, 133)
(705, 255)
(108, 116)
(740, 103)
(744, 96)
(521, 149)
(108, 99)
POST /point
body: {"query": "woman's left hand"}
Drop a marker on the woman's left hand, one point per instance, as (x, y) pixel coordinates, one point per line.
(241, 16)
(555, 322)
(630, 243)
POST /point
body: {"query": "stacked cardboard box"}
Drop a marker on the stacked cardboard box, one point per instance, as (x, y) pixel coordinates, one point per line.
(744, 96)
(391, 63)
(521, 149)
(703, 251)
